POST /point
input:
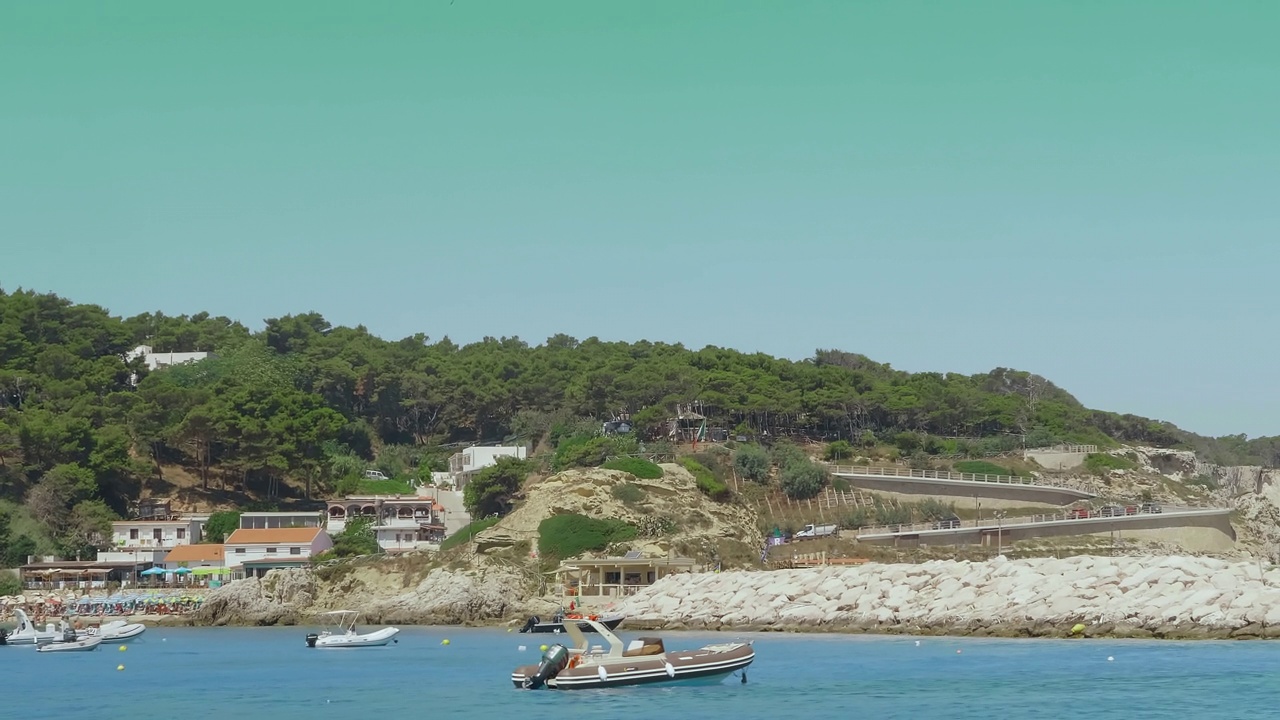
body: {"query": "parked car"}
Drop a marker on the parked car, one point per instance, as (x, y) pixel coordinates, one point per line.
(374, 475)
(1111, 511)
(947, 524)
(1078, 513)
(1150, 507)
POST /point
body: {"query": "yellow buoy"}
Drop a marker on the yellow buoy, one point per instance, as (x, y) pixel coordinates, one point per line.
(122, 648)
(1077, 629)
(444, 641)
(119, 667)
(543, 648)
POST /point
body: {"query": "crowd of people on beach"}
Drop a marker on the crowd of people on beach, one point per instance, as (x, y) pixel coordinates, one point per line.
(41, 608)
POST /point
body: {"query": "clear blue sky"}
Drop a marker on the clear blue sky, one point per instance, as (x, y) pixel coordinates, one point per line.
(1085, 190)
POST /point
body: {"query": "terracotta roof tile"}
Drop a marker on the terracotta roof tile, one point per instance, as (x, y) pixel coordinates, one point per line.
(284, 536)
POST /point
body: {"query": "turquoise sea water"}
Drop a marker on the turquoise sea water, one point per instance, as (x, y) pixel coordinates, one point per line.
(270, 673)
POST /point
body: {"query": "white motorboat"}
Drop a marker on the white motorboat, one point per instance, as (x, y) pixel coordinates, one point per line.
(114, 631)
(645, 661)
(86, 645)
(344, 635)
(26, 633)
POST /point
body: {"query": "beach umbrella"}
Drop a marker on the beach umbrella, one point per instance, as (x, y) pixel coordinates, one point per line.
(182, 571)
(153, 571)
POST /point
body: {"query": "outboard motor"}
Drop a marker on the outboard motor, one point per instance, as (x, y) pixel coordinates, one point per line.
(4, 636)
(553, 661)
(311, 639)
(528, 626)
(68, 634)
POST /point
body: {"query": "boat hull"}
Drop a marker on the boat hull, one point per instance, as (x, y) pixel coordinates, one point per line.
(86, 645)
(697, 667)
(114, 632)
(558, 627)
(373, 639)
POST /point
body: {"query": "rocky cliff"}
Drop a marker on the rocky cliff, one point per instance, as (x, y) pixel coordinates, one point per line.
(499, 575)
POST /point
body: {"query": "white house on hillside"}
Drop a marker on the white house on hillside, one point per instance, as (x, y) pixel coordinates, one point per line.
(400, 522)
(149, 541)
(463, 465)
(251, 552)
(154, 360)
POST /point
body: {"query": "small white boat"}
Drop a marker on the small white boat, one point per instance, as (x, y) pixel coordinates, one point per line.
(114, 631)
(85, 645)
(26, 633)
(344, 635)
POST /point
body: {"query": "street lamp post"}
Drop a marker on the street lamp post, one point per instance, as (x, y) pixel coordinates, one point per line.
(1000, 532)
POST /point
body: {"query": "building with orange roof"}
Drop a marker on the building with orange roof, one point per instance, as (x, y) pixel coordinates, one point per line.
(251, 552)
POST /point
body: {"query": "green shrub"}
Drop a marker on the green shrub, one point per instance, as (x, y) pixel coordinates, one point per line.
(639, 467)
(590, 451)
(707, 482)
(629, 493)
(803, 480)
(565, 536)
(752, 463)
(1204, 480)
(357, 538)
(981, 467)
(10, 585)
(785, 452)
(464, 535)
(383, 487)
(1102, 463)
(932, 509)
(838, 450)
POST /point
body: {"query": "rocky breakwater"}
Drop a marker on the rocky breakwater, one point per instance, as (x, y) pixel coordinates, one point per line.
(1162, 596)
(442, 597)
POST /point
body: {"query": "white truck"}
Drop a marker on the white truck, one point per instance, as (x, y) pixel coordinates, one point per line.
(816, 531)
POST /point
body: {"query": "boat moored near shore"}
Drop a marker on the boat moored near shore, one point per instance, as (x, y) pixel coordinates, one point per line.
(646, 661)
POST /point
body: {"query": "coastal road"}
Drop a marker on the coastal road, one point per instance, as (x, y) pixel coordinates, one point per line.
(1016, 528)
(936, 482)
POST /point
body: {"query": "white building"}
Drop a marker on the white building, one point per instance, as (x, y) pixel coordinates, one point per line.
(463, 465)
(149, 541)
(252, 552)
(154, 360)
(266, 520)
(400, 522)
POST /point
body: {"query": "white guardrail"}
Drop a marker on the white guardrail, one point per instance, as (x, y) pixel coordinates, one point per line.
(1080, 514)
(907, 473)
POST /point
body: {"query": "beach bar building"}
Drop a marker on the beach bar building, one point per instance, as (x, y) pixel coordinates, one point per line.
(615, 577)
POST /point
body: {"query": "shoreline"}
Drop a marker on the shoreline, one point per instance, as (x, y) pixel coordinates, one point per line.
(1029, 630)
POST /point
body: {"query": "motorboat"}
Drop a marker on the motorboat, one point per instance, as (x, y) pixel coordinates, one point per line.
(114, 631)
(535, 624)
(344, 635)
(26, 633)
(645, 660)
(88, 644)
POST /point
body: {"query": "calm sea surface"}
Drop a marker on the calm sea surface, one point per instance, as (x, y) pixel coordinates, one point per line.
(270, 673)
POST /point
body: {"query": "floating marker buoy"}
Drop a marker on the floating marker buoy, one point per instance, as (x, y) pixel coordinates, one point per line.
(604, 674)
(521, 648)
(119, 667)
(917, 643)
(123, 648)
(1110, 659)
(959, 651)
(543, 648)
(1077, 628)
(444, 641)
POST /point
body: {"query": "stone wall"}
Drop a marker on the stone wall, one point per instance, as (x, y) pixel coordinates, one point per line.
(1171, 596)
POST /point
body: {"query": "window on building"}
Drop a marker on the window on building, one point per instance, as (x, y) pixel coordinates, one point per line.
(182, 533)
(157, 534)
(613, 578)
(271, 550)
(295, 551)
(239, 551)
(133, 534)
